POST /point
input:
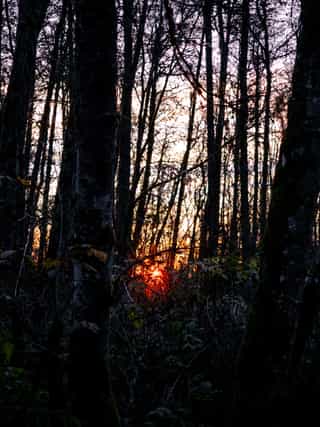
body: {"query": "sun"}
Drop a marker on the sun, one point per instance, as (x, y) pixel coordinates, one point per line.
(154, 277)
(156, 273)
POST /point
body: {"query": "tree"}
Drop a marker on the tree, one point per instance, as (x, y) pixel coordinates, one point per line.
(257, 99)
(270, 337)
(185, 161)
(241, 128)
(39, 161)
(210, 224)
(154, 104)
(64, 198)
(131, 59)
(92, 229)
(14, 115)
(266, 132)
(224, 29)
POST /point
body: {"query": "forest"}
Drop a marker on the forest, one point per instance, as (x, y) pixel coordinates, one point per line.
(159, 213)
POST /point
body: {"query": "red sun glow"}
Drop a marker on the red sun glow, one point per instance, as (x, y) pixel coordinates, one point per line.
(156, 273)
(154, 277)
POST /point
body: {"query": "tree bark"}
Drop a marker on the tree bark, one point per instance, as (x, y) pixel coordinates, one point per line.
(257, 98)
(295, 190)
(267, 116)
(224, 40)
(1, 29)
(14, 116)
(92, 240)
(210, 214)
(241, 130)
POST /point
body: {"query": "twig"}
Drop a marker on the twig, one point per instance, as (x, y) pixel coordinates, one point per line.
(185, 369)
(22, 263)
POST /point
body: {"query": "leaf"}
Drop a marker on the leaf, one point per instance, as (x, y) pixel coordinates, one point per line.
(132, 314)
(24, 182)
(51, 263)
(85, 250)
(136, 319)
(7, 350)
(100, 255)
(138, 323)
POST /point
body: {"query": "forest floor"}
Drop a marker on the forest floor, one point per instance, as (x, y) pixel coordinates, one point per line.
(174, 338)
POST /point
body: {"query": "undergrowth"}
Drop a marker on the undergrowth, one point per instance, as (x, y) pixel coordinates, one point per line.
(171, 356)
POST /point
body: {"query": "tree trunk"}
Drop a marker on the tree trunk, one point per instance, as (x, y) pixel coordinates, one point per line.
(155, 101)
(255, 222)
(61, 230)
(45, 203)
(95, 111)
(124, 140)
(234, 225)
(241, 130)
(184, 164)
(267, 116)
(14, 116)
(140, 147)
(288, 233)
(210, 214)
(131, 58)
(1, 29)
(37, 176)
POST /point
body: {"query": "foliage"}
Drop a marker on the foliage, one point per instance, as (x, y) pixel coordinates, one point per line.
(230, 269)
(6, 347)
(171, 359)
(177, 351)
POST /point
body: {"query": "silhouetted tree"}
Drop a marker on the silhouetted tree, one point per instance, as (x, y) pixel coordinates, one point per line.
(95, 76)
(131, 55)
(14, 115)
(270, 337)
(241, 129)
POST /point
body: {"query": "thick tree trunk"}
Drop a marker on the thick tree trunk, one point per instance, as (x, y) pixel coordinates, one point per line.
(95, 110)
(288, 233)
(1, 28)
(14, 115)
